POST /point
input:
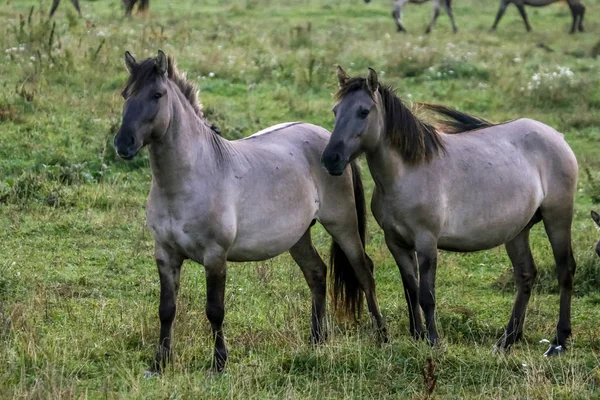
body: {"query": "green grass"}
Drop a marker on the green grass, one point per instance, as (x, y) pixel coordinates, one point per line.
(78, 285)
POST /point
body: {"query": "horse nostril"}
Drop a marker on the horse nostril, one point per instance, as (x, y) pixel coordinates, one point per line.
(336, 157)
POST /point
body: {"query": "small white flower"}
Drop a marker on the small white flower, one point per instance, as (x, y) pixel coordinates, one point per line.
(517, 59)
(211, 74)
(32, 58)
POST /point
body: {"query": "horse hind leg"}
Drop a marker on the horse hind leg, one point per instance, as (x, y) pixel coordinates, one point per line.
(315, 273)
(519, 252)
(577, 11)
(581, 15)
(557, 222)
(523, 13)
(351, 251)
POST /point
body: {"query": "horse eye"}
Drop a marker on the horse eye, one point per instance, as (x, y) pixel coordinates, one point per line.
(364, 113)
(157, 95)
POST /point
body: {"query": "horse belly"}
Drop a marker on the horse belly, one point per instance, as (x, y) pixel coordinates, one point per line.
(492, 222)
(268, 240)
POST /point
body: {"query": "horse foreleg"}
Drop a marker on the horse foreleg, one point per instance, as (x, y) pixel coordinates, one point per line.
(501, 10)
(407, 264)
(169, 267)
(55, 4)
(436, 14)
(129, 6)
(397, 14)
(216, 273)
(521, 8)
(426, 247)
(76, 5)
(525, 272)
(315, 273)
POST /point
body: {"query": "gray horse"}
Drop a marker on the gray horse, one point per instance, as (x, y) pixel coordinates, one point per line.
(480, 187)
(214, 200)
(446, 5)
(576, 6)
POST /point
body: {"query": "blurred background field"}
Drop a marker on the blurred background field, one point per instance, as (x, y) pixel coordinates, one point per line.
(78, 284)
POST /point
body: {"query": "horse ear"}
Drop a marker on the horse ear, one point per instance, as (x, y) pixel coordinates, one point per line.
(372, 80)
(596, 217)
(342, 76)
(130, 62)
(162, 64)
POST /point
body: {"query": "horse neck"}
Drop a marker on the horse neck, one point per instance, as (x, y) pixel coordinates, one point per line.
(175, 159)
(385, 164)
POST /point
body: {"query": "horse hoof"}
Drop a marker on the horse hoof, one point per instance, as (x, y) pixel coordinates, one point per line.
(554, 350)
(149, 374)
(500, 350)
(219, 360)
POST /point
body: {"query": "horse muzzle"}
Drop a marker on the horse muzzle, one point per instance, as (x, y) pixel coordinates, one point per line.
(334, 163)
(125, 146)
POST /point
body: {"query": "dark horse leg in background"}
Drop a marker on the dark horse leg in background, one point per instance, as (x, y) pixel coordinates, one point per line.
(129, 4)
(501, 10)
(521, 8)
(55, 4)
(577, 11)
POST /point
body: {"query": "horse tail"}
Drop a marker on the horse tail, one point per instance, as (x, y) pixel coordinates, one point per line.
(347, 292)
(456, 121)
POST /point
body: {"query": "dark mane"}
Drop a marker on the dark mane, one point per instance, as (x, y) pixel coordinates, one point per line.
(459, 122)
(415, 140)
(146, 71)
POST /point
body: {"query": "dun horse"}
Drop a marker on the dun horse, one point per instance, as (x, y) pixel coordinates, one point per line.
(437, 4)
(481, 186)
(576, 6)
(214, 201)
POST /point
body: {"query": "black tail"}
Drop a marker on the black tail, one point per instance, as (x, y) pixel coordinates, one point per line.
(347, 291)
(459, 122)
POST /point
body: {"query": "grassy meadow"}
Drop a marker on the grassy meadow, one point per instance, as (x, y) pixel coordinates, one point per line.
(78, 283)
